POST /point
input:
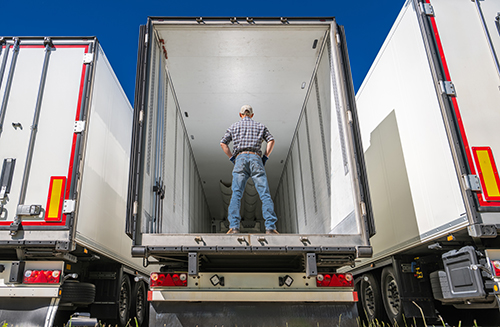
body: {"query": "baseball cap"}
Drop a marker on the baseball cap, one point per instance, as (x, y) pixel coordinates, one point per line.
(246, 108)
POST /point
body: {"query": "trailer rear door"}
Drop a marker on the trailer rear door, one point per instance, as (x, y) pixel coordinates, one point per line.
(470, 62)
(42, 96)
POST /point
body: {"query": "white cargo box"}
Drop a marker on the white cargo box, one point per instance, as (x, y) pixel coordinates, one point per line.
(429, 117)
(65, 130)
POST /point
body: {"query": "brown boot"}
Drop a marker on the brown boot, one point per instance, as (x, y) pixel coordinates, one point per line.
(272, 231)
(233, 231)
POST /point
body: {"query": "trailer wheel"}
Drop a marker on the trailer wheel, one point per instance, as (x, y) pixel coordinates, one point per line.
(371, 298)
(139, 302)
(124, 301)
(391, 296)
(77, 293)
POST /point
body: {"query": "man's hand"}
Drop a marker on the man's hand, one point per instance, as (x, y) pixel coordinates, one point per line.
(264, 159)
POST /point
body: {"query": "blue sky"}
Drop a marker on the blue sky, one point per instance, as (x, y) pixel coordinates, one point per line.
(116, 23)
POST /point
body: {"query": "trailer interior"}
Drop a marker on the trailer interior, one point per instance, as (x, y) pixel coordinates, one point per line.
(198, 75)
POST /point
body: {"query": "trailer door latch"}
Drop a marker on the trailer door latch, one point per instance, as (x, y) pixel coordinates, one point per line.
(28, 210)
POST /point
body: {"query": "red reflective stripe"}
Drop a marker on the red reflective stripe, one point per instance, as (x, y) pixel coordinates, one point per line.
(355, 296)
(150, 296)
(78, 110)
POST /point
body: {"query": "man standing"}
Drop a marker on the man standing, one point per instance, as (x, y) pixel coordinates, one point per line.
(247, 136)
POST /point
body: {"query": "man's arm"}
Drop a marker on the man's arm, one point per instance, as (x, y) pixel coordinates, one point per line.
(226, 150)
(269, 148)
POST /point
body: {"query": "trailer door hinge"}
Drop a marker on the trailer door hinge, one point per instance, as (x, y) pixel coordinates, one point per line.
(79, 126)
(426, 8)
(337, 38)
(447, 87)
(69, 206)
(88, 58)
(136, 204)
(472, 183)
(363, 208)
(349, 116)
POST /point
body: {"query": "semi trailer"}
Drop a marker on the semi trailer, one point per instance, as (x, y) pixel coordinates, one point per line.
(65, 132)
(428, 115)
(193, 75)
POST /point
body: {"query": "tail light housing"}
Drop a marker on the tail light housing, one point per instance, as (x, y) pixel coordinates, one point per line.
(42, 276)
(168, 279)
(496, 267)
(334, 280)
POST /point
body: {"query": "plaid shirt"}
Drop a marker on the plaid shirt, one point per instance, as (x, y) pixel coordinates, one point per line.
(247, 135)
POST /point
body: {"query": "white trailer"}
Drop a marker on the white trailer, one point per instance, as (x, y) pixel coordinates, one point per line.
(193, 76)
(428, 114)
(65, 131)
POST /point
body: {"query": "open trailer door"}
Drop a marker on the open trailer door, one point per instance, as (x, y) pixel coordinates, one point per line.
(193, 74)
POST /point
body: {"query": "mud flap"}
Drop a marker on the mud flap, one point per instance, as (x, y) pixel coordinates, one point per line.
(28, 312)
(243, 314)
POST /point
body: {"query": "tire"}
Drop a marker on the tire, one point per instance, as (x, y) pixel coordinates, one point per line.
(371, 299)
(76, 293)
(391, 296)
(139, 309)
(359, 304)
(124, 299)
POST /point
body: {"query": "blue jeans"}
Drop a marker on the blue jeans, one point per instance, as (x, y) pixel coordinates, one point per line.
(250, 165)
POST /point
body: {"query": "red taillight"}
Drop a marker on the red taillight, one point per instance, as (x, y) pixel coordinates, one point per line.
(496, 267)
(334, 280)
(42, 276)
(168, 279)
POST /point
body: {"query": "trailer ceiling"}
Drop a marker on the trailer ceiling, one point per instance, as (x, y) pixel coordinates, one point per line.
(215, 69)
